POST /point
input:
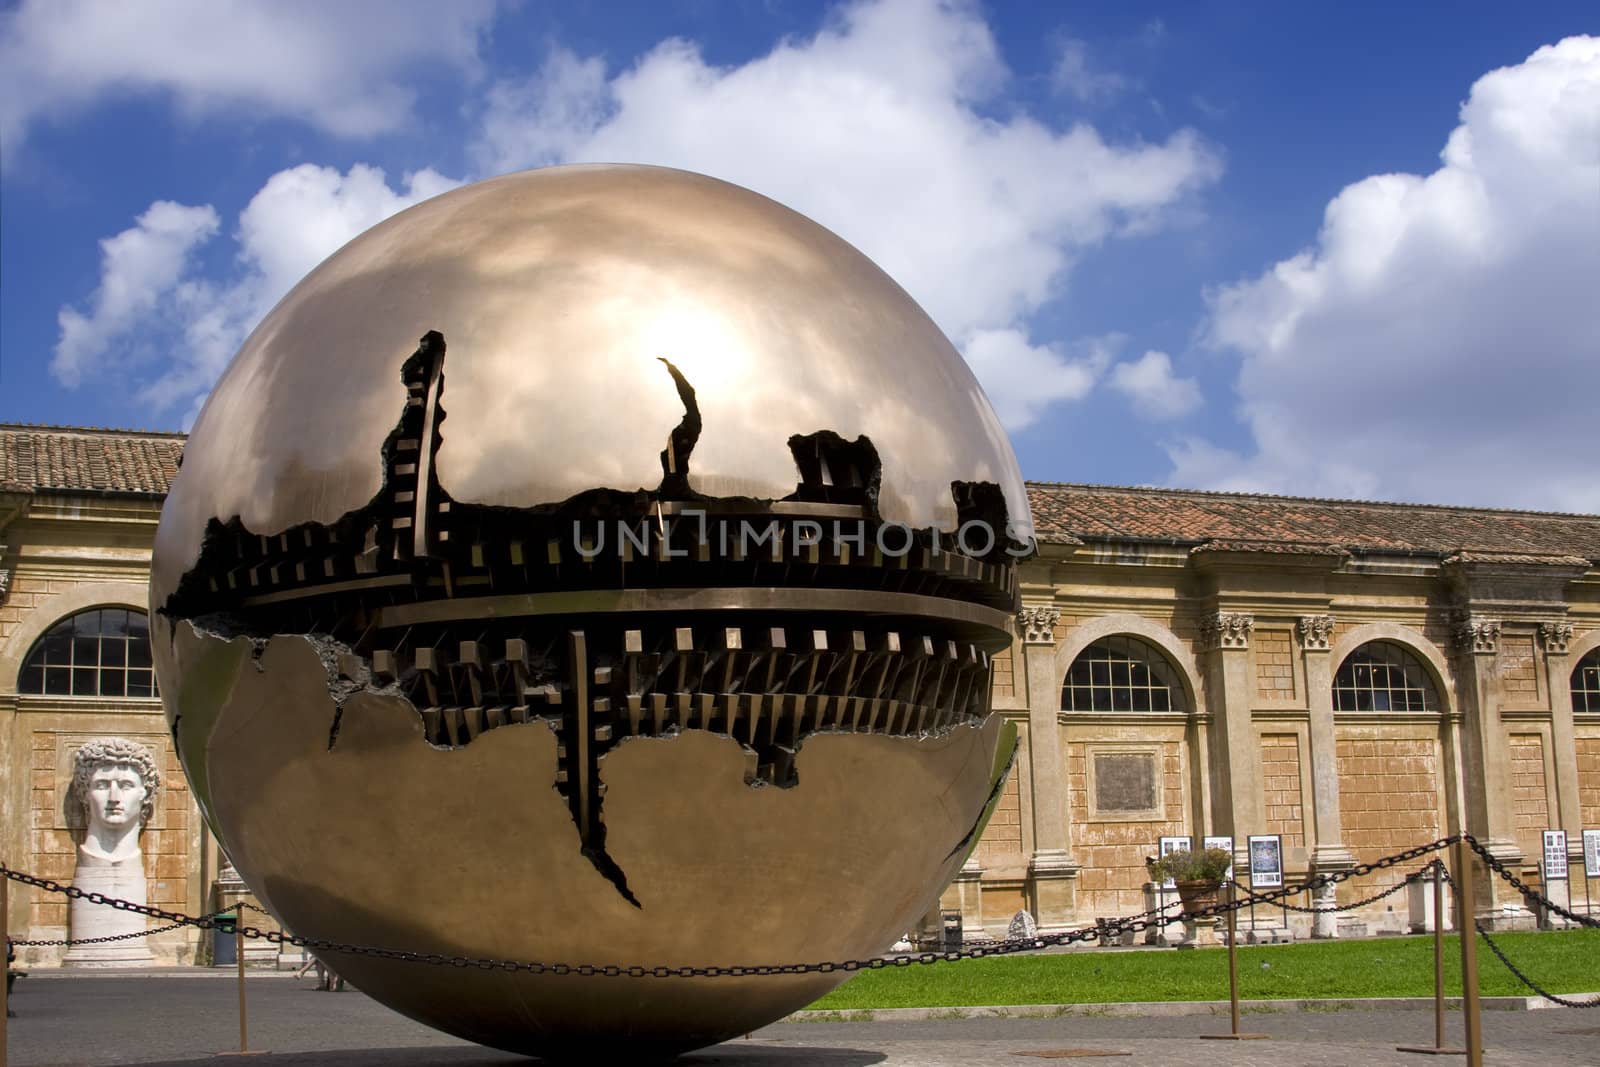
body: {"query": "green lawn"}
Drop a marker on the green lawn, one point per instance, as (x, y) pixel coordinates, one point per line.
(1562, 962)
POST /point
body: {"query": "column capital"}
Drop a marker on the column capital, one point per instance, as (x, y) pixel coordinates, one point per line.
(1038, 624)
(1316, 632)
(1555, 636)
(1476, 635)
(1229, 630)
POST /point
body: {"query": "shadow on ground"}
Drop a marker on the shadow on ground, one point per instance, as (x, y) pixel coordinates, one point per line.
(733, 1055)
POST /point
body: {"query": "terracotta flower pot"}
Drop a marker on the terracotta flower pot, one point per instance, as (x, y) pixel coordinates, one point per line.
(1197, 896)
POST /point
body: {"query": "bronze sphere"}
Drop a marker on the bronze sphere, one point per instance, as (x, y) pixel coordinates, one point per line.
(639, 615)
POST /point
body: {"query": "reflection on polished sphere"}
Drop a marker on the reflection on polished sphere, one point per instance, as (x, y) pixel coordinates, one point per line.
(640, 613)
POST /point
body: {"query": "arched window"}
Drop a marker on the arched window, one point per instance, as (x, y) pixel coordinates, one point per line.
(1380, 676)
(1122, 673)
(1586, 683)
(102, 652)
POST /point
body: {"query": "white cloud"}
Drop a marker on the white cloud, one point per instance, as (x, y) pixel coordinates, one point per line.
(873, 128)
(138, 268)
(1023, 379)
(346, 67)
(149, 290)
(1149, 383)
(1075, 75)
(1441, 340)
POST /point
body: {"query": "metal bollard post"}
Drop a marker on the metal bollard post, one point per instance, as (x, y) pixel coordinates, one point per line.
(238, 951)
(1467, 927)
(1439, 1048)
(1233, 973)
(5, 994)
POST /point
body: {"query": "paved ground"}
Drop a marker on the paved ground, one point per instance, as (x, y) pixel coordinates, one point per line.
(171, 1018)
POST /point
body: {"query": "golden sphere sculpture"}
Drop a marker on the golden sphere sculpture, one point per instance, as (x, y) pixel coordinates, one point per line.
(640, 615)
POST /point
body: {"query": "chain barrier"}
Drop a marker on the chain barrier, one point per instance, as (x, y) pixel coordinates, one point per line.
(69, 942)
(1528, 892)
(1565, 1002)
(1115, 927)
(1414, 876)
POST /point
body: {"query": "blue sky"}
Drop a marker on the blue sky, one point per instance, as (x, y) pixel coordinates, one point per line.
(1204, 245)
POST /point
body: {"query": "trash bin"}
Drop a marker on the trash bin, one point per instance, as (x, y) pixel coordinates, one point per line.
(224, 946)
(952, 931)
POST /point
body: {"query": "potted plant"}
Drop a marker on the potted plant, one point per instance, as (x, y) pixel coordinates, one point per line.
(1197, 874)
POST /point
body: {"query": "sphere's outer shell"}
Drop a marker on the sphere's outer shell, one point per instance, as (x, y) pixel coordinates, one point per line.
(557, 291)
(381, 839)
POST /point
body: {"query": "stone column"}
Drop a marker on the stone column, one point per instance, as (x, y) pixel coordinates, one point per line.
(1563, 740)
(1052, 871)
(1225, 642)
(1328, 852)
(1485, 760)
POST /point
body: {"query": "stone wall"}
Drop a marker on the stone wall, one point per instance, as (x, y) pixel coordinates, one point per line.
(1274, 667)
(1281, 795)
(1004, 686)
(1113, 851)
(1519, 672)
(1530, 805)
(1388, 799)
(1589, 780)
(1002, 838)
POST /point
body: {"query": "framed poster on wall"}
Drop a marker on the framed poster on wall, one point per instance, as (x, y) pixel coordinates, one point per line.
(1591, 853)
(1224, 843)
(1266, 861)
(1555, 855)
(1170, 845)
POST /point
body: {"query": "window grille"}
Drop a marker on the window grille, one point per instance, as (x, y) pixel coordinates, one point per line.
(1122, 673)
(1586, 683)
(103, 652)
(1380, 676)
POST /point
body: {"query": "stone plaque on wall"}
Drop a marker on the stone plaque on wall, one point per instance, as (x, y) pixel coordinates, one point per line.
(1124, 783)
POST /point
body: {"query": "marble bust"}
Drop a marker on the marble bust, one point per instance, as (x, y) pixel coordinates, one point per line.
(113, 791)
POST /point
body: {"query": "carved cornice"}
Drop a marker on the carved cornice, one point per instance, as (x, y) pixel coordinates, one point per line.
(1555, 636)
(1038, 624)
(1226, 630)
(1476, 635)
(1316, 632)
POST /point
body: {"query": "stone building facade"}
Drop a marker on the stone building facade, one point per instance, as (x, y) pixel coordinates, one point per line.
(1355, 678)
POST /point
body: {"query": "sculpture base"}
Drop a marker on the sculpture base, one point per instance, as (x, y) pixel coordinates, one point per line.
(130, 953)
(120, 880)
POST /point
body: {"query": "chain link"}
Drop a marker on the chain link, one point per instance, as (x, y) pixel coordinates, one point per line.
(1517, 971)
(1527, 891)
(1565, 1002)
(1414, 876)
(71, 941)
(1112, 927)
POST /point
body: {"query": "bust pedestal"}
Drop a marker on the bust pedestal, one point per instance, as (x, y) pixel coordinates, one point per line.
(122, 879)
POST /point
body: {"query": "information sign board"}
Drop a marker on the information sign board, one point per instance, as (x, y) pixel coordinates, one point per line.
(1174, 844)
(1555, 855)
(1224, 843)
(1266, 861)
(1591, 853)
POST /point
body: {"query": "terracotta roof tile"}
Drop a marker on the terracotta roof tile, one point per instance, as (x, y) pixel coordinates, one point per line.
(139, 462)
(1255, 522)
(84, 459)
